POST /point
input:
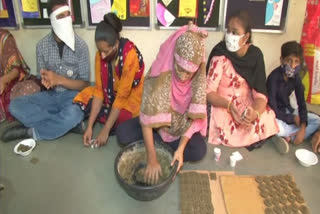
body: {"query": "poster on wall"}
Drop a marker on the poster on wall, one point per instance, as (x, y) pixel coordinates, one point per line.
(3, 10)
(266, 15)
(132, 13)
(273, 12)
(207, 10)
(139, 8)
(30, 9)
(98, 9)
(35, 13)
(176, 13)
(119, 7)
(7, 15)
(188, 8)
(164, 16)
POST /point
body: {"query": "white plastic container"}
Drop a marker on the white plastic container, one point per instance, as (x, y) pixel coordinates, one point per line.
(233, 161)
(306, 158)
(217, 154)
(28, 142)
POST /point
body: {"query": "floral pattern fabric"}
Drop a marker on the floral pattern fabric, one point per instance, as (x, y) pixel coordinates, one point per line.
(223, 79)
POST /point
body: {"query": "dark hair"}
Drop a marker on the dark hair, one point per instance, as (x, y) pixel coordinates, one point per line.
(109, 29)
(52, 3)
(245, 20)
(292, 48)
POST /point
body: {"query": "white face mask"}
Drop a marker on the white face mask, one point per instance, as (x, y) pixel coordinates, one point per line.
(232, 41)
(63, 27)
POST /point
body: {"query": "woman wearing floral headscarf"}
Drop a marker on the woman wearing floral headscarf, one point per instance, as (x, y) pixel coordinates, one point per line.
(173, 102)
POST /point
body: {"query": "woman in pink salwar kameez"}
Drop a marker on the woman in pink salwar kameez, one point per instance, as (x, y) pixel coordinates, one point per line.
(236, 89)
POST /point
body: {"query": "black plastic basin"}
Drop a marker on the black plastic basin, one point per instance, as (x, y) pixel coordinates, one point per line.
(142, 192)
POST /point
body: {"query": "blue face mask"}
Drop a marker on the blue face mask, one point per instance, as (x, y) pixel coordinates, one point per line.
(290, 72)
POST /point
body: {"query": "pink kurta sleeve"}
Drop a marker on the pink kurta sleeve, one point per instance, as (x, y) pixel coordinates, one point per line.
(215, 73)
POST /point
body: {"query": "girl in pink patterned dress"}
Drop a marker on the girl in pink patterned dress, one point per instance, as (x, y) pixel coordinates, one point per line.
(236, 89)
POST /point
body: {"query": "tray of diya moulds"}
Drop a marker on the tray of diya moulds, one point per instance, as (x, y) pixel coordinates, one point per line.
(200, 192)
(262, 195)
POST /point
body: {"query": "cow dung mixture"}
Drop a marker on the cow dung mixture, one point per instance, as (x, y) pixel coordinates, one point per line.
(132, 163)
(23, 148)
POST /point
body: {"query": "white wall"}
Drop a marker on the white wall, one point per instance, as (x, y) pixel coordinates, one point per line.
(149, 41)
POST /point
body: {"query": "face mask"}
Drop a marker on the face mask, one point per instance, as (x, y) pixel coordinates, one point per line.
(290, 72)
(63, 27)
(232, 42)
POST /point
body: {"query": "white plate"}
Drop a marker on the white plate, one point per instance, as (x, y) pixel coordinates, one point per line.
(306, 158)
(28, 142)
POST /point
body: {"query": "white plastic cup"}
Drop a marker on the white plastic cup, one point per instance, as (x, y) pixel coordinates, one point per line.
(233, 161)
(217, 154)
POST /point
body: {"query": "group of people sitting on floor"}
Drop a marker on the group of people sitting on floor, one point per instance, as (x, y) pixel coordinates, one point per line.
(169, 104)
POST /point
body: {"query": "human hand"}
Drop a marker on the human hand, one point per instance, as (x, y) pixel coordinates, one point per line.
(102, 138)
(235, 113)
(44, 80)
(49, 78)
(296, 120)
(87, 137)
(152, 172)
(178, 156)
(3, 84)
(249, 115)
(299, 136)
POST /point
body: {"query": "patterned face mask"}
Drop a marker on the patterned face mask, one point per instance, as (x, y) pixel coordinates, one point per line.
(290, 72)
(232, 42)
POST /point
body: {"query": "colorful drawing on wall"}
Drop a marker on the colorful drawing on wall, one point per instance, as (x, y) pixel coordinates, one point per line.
(3, 10)
(98, 9)
(188, 8)
(164, 16)
(7, 16)
(273, 12)
(207, 10)
(139, 8)
(119, 7)
(166, 2)
(30, 9)
(30, 5)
